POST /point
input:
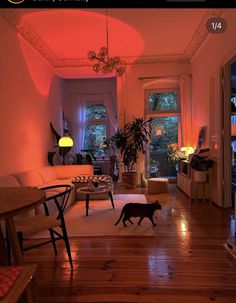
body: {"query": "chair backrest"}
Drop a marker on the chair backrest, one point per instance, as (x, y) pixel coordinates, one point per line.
(59, 194)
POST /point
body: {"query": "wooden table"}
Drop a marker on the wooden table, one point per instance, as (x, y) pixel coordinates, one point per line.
(100, 190)
(15, 201)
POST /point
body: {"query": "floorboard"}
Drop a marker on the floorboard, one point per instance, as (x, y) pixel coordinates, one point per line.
(184, 262)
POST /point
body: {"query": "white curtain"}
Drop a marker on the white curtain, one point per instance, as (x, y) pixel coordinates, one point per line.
(186, 109)
(111, 113)
(78, 120)
(78, 117)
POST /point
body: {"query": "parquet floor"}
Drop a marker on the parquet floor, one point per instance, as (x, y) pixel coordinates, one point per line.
(184, 262)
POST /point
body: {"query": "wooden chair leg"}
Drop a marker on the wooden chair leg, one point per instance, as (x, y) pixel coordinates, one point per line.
(3, 254)
(31, 292)
(67, 244)
(53, 241)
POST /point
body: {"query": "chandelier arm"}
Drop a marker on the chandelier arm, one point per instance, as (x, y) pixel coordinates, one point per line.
(105, 63)
(100, 60)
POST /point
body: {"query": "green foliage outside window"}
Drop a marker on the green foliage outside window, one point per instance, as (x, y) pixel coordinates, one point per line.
(94, 137)
(96, 112)
(162, 101)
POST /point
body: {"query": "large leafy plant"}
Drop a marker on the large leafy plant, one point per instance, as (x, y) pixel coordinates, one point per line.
(131, 140)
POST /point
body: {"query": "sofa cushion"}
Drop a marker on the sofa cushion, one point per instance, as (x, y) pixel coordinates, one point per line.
(69, 171)
(9, 181)
(47, 173)
(29, 178)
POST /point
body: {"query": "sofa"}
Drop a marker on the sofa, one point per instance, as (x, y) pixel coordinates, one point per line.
(47, 176)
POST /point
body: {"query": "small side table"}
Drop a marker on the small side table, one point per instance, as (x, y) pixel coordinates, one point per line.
(99, 190)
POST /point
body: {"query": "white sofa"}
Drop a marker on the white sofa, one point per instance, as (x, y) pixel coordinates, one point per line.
(46, 176)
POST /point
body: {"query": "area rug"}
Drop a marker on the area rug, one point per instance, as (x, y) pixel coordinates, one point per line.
(102, 217)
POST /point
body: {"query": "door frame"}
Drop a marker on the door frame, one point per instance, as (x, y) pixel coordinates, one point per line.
(226, 131)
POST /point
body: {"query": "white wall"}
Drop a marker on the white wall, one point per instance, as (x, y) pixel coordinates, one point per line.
(217, 49)
(30, 97)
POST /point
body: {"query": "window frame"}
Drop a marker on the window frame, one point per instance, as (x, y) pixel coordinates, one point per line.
(162, 113)
(158, 113)
(104, 121)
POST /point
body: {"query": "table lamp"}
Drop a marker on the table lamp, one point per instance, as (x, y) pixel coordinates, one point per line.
(65, 143)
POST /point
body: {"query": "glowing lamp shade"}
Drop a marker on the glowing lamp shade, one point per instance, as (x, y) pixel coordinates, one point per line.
(66, 142)
(187, 150)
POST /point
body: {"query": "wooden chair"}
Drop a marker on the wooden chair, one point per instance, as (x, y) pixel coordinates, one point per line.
(23, 282)
(28, 226)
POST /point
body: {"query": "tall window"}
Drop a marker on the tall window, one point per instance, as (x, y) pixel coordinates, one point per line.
(97, 127)
(163, 107)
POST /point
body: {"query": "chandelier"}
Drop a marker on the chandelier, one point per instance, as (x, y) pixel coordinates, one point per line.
(103, 62)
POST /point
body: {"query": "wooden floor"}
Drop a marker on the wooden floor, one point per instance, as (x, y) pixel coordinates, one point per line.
(184, 262)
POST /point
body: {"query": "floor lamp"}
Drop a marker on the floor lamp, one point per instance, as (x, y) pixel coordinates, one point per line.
(65, 143)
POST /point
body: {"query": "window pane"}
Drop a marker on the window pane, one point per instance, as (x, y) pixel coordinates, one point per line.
(163, 101)
(95, 112)
(164, 132)
(95, 134)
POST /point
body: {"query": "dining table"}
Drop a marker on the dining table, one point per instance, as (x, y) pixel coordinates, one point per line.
(15, 201)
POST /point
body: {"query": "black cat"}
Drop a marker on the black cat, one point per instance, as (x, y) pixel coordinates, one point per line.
(141, 210)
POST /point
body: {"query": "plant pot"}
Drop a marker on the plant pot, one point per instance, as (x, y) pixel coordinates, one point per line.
(200, 176)
(130, 179)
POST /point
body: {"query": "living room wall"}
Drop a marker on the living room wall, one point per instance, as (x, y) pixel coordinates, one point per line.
(30, 98)
(216, 51)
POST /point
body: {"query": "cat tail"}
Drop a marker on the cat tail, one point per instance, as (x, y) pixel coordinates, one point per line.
(121, 215)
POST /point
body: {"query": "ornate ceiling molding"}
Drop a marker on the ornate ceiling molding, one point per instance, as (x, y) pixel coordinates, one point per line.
(26, 31)
(201, 33)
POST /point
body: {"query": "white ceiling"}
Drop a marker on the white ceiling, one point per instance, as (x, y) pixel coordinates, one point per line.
(64, 36)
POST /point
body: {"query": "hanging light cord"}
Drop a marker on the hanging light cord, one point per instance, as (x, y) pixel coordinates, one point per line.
(107, 33)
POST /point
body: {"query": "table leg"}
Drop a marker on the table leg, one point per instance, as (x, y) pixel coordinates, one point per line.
(111, 198)
(15, 246)
(87, 204)
(3, 255)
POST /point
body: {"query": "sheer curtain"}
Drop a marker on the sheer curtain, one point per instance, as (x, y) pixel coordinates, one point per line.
(186, 109)
(78, 121)
(112, 113)
(78, 117)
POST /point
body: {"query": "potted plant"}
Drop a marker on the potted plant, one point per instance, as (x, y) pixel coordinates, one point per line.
(172, 153)
(200, 166)
(130, 141)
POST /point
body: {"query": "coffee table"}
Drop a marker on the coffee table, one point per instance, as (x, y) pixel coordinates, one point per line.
(98, 191)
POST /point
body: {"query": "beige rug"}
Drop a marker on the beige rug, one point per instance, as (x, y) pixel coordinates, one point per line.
(102, 217)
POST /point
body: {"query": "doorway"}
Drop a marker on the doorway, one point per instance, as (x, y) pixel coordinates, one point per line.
(229, 131)
(233, 129)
